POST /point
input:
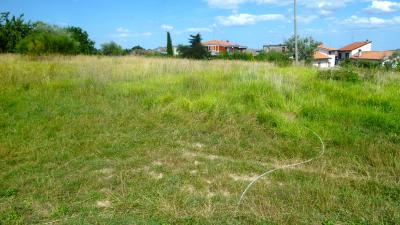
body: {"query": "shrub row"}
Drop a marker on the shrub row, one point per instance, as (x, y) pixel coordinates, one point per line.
(278, 58)
(341, 74)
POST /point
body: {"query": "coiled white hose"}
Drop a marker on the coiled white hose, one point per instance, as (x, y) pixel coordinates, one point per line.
(282, 168)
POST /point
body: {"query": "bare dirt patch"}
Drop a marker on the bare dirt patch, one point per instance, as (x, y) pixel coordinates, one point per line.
(201, 155)
(198, 145)
(247, 178)
(106, 171)
(103, 204)
(157, 163)
(155, 175)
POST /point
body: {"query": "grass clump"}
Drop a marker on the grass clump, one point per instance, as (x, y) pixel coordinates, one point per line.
(342, 74)
(280, 59)
(268, 119)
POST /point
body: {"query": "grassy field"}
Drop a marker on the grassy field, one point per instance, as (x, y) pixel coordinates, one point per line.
(100, 140)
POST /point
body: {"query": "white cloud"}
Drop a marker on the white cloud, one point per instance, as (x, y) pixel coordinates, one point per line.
(371, 21)
(247, 19)
(167, 27)
(383, 6)
(225, 4)
(234, 4)
(123, 30)
(198, 29)
(323, 7)
(125, 33)
(145, 34)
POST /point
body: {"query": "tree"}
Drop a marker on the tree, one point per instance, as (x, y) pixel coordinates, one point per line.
(46, 39)
(138, 50)
(12, 30)
(112, 49)
(195, 50)
(306, 46)
(86, 45)
(170, 50)
(137, 47)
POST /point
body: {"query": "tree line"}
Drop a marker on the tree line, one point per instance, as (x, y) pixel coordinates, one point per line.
(35, 38)
(38, 38)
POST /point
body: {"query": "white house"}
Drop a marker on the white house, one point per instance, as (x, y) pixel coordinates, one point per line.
(325, 57)
(175, 50)
(354, 49)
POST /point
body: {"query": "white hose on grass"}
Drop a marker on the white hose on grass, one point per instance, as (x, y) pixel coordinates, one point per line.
(282, 168)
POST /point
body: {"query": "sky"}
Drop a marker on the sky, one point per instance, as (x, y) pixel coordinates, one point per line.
(252, 23)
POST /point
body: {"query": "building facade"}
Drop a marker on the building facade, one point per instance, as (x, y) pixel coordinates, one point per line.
(275, 48)
(325, 57)
(217, 47)
(354, 49)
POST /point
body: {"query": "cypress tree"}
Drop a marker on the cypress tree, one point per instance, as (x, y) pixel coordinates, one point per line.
(170, 51)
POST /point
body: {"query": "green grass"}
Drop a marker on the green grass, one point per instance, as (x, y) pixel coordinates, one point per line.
(97, 140)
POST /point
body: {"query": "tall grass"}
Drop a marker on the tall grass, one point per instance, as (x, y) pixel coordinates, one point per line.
(131, 140)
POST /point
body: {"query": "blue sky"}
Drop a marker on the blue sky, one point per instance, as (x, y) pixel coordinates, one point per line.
(248, 22)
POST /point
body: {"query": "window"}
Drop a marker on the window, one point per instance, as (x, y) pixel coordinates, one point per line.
(347, 55)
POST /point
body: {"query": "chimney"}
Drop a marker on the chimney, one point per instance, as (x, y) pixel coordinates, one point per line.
(227, 41)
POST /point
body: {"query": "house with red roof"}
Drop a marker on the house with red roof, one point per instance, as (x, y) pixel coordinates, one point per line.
(217, 47)
(354, 49)
(363, 51)
(325, 57)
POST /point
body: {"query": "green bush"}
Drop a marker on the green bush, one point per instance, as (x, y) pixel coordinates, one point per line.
(364, 64)
(237, 56)
(342, 74)
(48, 40)
(112, 49)
(278, 58)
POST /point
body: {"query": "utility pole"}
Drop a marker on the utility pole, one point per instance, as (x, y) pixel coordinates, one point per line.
(296, 48)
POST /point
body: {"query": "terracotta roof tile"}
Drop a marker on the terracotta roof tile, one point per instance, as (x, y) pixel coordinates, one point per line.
(319, 55)
(354, 46)
(373, 55)
(221, 43)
